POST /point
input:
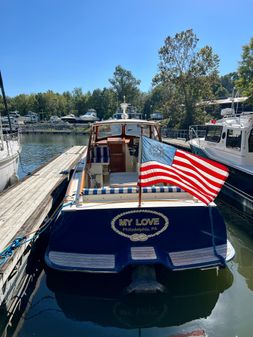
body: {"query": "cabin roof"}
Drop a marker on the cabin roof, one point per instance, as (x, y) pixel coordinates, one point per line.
(124, 121)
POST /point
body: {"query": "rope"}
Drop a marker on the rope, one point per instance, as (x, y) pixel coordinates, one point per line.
(19, 241)
(8, 251)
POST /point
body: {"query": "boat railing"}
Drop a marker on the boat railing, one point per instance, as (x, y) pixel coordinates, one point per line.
(182, 134)
(197, 131)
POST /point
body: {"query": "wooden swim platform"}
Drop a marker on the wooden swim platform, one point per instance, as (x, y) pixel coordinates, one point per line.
(24, 207)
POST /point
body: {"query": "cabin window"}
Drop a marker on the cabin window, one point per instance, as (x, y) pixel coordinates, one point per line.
(251, 141)
(135, 130)
(234, 138)
(213, 133)
(111, 130)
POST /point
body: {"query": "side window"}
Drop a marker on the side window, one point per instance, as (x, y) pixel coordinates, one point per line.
(213, 133)
(251, 141)
(234, 138)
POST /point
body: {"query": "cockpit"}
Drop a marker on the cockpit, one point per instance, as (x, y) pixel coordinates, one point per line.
(113, 154)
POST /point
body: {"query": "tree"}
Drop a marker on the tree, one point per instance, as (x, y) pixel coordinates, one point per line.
(23, 103)
(228, 82)
(104, 102)
(245, 72)
(79, 101)
(125, 84)
(187, 73)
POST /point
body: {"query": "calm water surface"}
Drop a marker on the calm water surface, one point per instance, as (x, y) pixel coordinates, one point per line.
(219, 303)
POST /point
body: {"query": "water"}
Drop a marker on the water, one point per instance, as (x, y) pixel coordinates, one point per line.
(38, 149)
(219, 303)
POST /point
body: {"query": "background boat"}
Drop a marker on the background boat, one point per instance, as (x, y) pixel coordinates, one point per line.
(229, 141)
(9, 148)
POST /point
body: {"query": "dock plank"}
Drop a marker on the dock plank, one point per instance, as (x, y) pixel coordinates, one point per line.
(23, 207)
(24, 189)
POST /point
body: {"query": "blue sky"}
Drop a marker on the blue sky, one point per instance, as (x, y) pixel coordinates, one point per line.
(63, 44)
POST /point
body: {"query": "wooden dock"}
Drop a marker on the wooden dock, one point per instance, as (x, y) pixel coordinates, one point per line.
(24, 207)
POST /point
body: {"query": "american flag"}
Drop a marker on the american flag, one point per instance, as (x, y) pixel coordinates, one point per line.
(162, 163)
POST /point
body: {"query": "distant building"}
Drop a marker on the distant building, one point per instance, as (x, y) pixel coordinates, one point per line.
(156, 116)
(31, 117)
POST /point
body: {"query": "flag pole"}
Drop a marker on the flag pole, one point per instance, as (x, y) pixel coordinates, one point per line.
(140, 160)
(221, 258)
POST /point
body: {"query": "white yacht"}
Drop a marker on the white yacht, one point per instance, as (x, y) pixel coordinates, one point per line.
(9, 147)
(9, 157)
(229, 141)
(90, 116)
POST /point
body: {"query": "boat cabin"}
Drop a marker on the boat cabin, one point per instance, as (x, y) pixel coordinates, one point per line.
(232, 135)
(113, 152)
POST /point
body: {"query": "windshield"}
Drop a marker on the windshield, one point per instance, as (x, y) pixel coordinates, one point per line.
(131, 129)
(105, 131)
(135, 130)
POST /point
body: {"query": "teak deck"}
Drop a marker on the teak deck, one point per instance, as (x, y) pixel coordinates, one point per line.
(24, 206)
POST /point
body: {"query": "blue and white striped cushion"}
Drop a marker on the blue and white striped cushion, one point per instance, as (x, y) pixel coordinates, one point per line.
(127, 190)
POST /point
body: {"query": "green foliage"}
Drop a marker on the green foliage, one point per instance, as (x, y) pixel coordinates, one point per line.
(104, 102)
(186, 76)
(228, 82)
(125, 84)
(245, 72)
(187, 73)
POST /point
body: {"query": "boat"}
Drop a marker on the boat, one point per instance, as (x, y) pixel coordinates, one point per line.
(9, 158)
(9, 149)
(131, 111)
(108, 223)
(71, 118)
(229, 140)
(90, 116)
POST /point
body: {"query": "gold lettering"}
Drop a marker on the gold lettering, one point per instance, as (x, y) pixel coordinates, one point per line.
(147, 222)
(125, 222)
(122, 222)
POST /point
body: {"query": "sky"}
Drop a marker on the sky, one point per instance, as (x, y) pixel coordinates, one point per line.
(60, 45)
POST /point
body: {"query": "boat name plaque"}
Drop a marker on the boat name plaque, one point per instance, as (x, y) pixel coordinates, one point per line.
(139, 225)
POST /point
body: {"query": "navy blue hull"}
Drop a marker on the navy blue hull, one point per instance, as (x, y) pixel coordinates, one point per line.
(108, 240)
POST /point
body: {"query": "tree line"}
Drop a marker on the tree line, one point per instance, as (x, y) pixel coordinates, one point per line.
(186, 77)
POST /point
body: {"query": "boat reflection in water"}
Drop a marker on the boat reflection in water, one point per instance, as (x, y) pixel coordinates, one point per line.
(189, 295)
